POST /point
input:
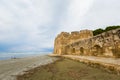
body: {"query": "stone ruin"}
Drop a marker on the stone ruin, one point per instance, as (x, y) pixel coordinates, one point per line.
(83, 42)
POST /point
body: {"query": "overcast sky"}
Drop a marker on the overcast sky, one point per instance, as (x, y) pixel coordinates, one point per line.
(32, 25)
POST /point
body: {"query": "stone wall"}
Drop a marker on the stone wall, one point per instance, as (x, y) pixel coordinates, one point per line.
(84, 43)
(65, 38)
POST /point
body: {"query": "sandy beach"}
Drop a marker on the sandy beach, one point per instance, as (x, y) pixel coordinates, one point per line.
(67, 69)
(10, 68)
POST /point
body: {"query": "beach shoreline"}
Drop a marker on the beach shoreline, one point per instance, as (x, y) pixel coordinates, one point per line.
(67, 69)
(10, 68)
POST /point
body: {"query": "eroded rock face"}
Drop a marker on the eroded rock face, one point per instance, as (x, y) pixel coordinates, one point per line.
(65, 38)
(84, 43)
(60, 42)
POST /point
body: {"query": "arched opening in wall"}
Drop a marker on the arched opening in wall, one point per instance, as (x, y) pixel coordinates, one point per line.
(97, 50)
(81, 51)
(73, 50)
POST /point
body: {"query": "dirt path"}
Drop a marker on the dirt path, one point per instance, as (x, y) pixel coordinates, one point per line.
(10, 68)
(114, 61)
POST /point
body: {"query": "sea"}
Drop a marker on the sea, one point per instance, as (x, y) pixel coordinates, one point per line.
(14, 55)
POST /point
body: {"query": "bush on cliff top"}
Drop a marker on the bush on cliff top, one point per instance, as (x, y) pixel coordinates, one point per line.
(99, 31)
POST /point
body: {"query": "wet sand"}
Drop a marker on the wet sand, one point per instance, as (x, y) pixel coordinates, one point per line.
(10, 68)
(67, 69)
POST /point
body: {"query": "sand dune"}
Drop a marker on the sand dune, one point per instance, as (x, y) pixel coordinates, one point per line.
(10, 68)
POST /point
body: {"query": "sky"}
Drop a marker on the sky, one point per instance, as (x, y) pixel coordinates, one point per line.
(32, 25)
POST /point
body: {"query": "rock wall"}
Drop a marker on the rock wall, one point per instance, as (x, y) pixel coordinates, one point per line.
(84, 43)
(65, 38)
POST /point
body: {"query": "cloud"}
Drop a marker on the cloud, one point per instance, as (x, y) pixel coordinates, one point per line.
(32, 25)
(28, 24)
(102, 13)
(74, 14)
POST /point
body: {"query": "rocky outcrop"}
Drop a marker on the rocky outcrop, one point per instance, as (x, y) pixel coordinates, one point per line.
(65, 38)
(84, 43)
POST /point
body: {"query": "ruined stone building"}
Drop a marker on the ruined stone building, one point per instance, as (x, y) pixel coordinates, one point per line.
(84, 43)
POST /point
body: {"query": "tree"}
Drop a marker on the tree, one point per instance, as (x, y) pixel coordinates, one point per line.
(111, 28)
(98, 31)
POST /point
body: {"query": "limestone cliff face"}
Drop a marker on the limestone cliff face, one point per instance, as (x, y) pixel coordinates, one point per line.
(60, 42)
(65, 38)
(84, 43)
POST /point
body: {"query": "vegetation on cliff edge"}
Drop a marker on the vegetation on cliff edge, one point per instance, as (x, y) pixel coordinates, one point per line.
(100, 30)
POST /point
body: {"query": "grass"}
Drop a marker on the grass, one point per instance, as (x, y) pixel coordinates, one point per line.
(66, 69)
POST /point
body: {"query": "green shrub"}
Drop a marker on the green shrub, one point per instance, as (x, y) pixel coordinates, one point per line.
(99, 31)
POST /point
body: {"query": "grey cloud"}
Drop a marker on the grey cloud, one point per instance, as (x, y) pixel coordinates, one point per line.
(103, 13)
(35, 23)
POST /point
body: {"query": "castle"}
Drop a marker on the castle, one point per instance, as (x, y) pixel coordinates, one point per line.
(83, 42)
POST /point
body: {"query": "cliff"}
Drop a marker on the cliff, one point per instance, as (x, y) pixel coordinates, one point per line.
(84, 43)
(65, 38)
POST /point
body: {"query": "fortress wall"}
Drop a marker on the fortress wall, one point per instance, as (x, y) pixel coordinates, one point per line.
(84, 43)
(60, 41)
(65, 38)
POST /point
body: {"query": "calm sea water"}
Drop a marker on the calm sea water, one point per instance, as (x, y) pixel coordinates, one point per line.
(7, 55)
